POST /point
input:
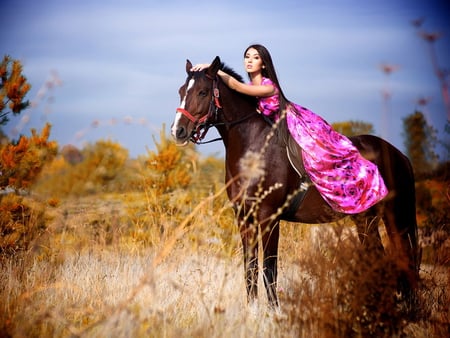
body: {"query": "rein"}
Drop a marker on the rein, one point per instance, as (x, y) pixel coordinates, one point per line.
(215, 124)
(203, 124)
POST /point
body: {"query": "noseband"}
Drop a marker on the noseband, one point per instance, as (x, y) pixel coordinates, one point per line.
(202, 124)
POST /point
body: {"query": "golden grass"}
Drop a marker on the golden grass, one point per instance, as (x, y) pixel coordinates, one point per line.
(109, 267)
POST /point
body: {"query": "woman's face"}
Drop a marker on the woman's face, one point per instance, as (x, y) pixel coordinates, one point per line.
(252, 61)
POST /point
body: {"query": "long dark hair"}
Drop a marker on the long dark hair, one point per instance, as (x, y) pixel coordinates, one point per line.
(269, 72)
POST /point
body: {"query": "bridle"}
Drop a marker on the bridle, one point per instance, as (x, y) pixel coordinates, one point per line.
(202, 125)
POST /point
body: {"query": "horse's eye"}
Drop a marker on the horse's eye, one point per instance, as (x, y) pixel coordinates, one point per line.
(202, 93)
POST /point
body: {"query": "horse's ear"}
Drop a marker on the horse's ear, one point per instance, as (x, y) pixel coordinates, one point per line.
(188, 66)
(214, 67)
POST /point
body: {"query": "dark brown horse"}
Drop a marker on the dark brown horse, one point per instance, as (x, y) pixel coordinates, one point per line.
(269, 191)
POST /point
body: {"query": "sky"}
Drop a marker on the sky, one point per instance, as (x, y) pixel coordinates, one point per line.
(103, 69)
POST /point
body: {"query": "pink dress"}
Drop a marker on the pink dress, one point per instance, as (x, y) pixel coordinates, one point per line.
(347, 181)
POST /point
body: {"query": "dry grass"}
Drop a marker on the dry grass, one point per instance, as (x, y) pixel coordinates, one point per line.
(109, 267)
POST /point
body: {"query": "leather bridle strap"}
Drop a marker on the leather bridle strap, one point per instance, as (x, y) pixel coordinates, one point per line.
(203, 122)
(190, 117)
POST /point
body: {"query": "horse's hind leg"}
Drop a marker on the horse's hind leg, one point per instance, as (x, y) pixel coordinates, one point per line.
(368, 234)
(401, 227)
(399, 217)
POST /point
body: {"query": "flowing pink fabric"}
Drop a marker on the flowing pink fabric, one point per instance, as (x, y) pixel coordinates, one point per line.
(347, 181)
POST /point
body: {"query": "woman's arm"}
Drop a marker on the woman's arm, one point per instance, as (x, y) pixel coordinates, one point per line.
(252, 90)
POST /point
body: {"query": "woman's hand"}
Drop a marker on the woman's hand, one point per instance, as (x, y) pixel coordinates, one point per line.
(199, 67)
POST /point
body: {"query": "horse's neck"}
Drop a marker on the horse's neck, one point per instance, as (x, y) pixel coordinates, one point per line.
(241, 123)
(242, 129)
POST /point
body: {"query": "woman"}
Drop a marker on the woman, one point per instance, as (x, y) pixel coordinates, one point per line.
(347, 181)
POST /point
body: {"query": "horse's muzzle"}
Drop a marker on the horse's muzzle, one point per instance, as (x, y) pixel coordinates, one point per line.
(180, 135)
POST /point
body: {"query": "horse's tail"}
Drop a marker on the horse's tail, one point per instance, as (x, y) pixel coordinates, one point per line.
(399, 213)
(400, 210)
(413, 229)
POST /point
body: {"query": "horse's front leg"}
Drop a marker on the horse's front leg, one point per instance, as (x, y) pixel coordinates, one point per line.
(270, 237)
(249, 233)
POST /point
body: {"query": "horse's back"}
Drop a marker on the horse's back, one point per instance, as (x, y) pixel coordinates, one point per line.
(394, 166)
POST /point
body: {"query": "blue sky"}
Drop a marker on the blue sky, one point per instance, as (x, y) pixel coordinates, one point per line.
(112, 69)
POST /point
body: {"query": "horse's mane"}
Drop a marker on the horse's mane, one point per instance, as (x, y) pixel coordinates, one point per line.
(231, 71)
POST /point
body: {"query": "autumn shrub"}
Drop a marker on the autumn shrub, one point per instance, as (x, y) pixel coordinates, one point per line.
(435, 237)
(98, 167)
(22, 220)
(13, 89)
(433, 214)
(174, 180)
(169, 167)
(102, 165)
(352, 128)
(344, 290)
(22, 162)
(163, 176)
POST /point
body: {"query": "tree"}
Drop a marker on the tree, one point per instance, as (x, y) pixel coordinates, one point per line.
(420, 142)
(102, 162)
(13, 88)
(98, 167)
(352, 128)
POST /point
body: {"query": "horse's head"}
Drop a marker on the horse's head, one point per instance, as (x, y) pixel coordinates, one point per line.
(199, 104)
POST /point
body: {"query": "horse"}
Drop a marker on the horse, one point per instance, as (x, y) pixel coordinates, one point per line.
(273, 194)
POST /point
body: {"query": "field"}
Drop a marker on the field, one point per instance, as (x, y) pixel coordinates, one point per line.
(117, 265)
(104, 246)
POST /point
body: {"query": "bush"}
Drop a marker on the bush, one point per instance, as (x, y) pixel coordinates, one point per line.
(21, 163)
(170, 167)
(98, 167)
(346, 290)
(22, 220)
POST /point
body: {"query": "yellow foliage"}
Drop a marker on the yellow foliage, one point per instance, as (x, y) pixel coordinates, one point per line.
(21, 221)
(168, 167)
(13, 88)
(22, 162)
(97, 167)
(53, 202)
(352, 128)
